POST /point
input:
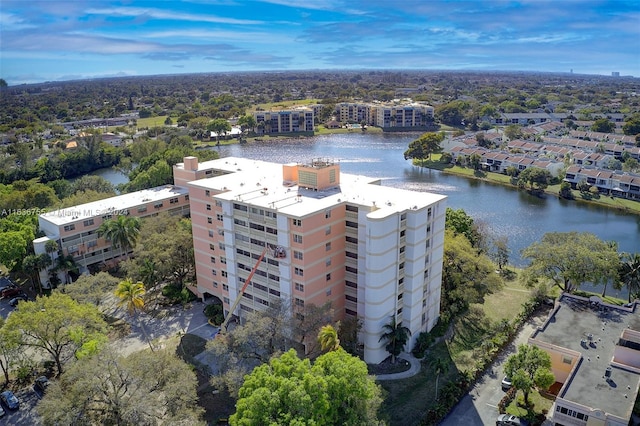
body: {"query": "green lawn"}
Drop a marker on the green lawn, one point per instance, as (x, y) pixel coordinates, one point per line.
(604, 200)
(285, 104)
(152, 121)
(407, 401)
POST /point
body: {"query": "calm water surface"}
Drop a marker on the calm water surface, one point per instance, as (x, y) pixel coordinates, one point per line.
(522, 218)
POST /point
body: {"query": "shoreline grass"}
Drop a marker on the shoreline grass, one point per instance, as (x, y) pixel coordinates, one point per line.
(620, 204)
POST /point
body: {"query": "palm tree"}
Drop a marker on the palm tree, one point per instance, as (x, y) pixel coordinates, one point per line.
(32, 265)
(396, 336)
(630, 273)
(440, 366)
(66, 264)
(122, 232)
(51, 247)
(328, 338)
(132, 295)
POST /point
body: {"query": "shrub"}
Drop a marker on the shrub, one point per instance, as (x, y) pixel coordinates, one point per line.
(214, 313)
(178, 294)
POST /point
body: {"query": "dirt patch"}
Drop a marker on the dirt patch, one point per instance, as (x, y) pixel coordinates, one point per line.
(387, 367)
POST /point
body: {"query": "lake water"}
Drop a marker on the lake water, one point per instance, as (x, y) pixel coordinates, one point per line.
(522, 218)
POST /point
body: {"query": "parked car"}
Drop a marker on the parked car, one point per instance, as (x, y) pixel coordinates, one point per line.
(41, 384)
(506, 383)
(14, 302)
(5, 282)
(509, 420)
(10, 291)
(10, 400)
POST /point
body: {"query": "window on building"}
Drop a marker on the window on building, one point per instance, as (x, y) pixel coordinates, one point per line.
(403, 233)
(328, 292)
(207, 192)
(142, 209)
(212, 246)
(327, 246)
(297, 222)
(225, 287)
(88, 222)
(209, 220)
(158, 205)
(328, 261)
(223, 260)
(351, 284)
(327, 214)
(208, 206)
(213, 259)
(328, 277)
(218, 203)
(403, 216)
(219, 217)
(69, 227)
(297, 238)
(298, 271)
(214, 272)
(215, 284)
(350, 312)
(299, 302)
(327, 231)
(211, 232)
(299, 287)
(297, 254)
(223, 273)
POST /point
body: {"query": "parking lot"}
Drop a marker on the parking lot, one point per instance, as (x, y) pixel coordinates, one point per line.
(27, 396)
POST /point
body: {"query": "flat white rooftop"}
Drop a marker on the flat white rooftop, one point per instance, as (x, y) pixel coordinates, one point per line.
(113, 205)
(260, 183)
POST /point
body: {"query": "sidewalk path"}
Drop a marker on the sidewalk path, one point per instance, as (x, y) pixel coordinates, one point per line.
(412, 371)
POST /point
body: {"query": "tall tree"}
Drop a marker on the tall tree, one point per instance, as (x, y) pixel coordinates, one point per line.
(131, 295)
(629, 273)
(94, 289)
(336, 389)
(424, 146)
(56, 325)
(10, 351)
(439, 366)
(530, 367)
(535, 177)
(122, 232)
(328, 338)
(396, 335)
(569, 259)
(32, 264)
(220, 126)
(145, 388)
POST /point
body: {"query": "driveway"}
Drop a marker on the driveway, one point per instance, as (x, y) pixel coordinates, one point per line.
(480, 406)
(160, 325)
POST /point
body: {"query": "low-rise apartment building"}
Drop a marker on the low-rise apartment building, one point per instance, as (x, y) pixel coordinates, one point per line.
(75, 228)
(284, 121)
(315, 236)
(595, 356)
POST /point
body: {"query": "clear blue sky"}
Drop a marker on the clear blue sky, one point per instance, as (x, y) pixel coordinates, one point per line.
(42, 40)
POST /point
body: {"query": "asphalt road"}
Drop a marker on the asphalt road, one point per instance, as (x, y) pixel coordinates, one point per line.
(480, 406)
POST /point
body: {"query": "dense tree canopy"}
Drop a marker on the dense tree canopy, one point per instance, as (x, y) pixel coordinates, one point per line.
(145, 388)
(424, 146)
(569, 259)
(55, 325)
(537, 178)
(530, 367)
(336, 389)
